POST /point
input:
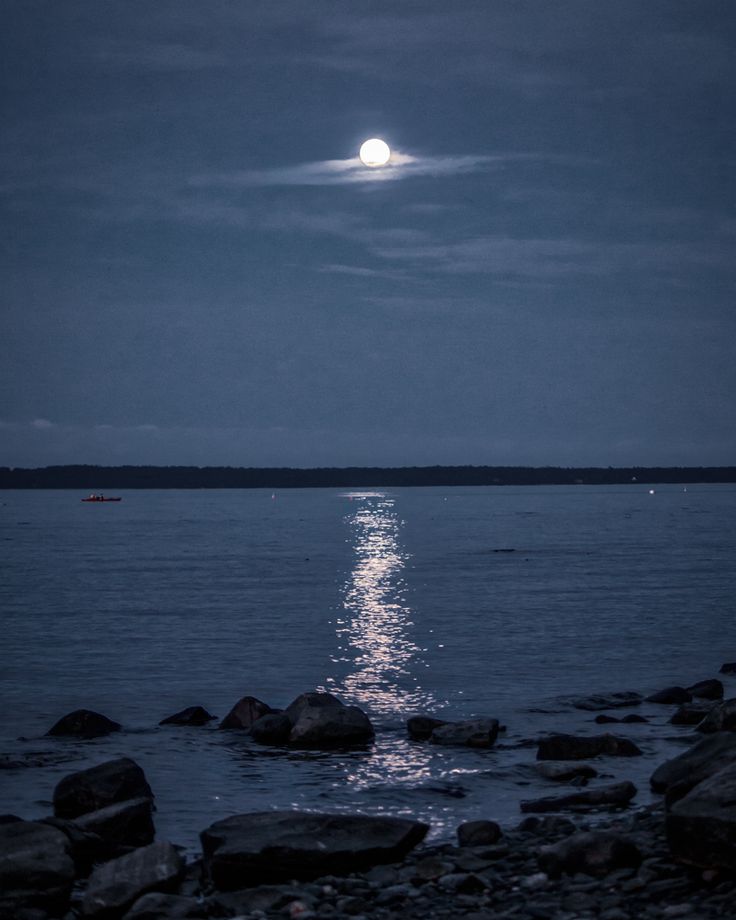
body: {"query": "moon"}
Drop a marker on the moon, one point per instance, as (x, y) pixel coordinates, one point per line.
(375, 152)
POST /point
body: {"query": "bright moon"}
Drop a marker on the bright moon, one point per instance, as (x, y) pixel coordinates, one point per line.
(375, 152)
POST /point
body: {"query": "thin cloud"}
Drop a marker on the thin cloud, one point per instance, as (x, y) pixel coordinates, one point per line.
(352, 170)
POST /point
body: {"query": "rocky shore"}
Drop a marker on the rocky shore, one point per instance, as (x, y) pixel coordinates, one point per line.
(583, 853)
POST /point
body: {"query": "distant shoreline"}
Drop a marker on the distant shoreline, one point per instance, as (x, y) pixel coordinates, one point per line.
(221, 477)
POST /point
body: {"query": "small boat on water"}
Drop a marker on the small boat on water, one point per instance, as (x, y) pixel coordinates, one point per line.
(99, 497)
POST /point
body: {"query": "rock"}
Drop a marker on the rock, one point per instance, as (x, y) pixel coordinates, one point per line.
(697, 763)
(610, 701)
(244, 713)
(273, 728)
(98, 787)
(574, 747)
(157, 906)
(472, 733)
(478, 833)
(707, 689)
(691, 713)
(561, 771)
(85, 848)
(549, 826)
(84, 723)
(36, 868)
(670, 695)
(721, 718)
(128, 824)
(192, 715)
(248, 901)
(320, 720)
(116, 885)
(617, 794)
(728, 668)
(421, 727)
(592, 853)
(633, 718)
(276, 846)
(604, 719)
(701, 827)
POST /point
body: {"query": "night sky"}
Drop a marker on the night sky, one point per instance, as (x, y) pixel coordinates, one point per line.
(198, 270)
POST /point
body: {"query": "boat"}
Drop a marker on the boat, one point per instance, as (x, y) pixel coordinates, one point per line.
(99, 497)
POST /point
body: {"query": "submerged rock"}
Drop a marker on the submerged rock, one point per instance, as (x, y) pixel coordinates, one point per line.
(701, 827)
(562, 771)
(697, 763)
(728, 668)
(276, 846)
(420, 728)
(192, 715)
(608, 701)
(477, 733)
(36, 868)
(100, 786)
(592, 853)
(116, 885)
(245, 712)
(83, 723)
(618, 794)
(670, 695)
(575, 747)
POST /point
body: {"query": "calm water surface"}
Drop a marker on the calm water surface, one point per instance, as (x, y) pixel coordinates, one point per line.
(504, 602)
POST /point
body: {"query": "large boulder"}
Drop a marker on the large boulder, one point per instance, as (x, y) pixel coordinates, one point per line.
(100, 786)
(273, 728)
(711, 689)
(701, 827)
(616, 795)
(116, 885)
(728, 668)
(320, 720)
(692, 713)
(158, 906)
(420, 728)
(245, 712)
(192, 715)
(124, 824)
(36, 868)
(477, 733)
(608, 701)
(697, 763)
(721, 718)
(592, 853)
(84, 723)
(576, 747)
(675, 695)
(276, 846)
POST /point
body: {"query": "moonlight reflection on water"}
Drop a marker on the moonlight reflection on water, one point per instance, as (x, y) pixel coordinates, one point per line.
(374, 625)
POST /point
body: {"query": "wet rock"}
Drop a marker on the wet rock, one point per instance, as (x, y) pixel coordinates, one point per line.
(721, 718)
(632, 717)
(420, 728)
(128, 824)
(85, 848)
(617, 794)
(691, 713)
(728, 668)
(592, 853)
(262, 898)
(478, 833)
(116, 885)
(100, 786)
(245, 712)
(472, 733)
(707, 689)
(562, 771)
(670, 695)
(192, 715)
(609, 701)
(273, 728)
(701, 827)
(574, 747)
(83, 723)
(272, 847)
(697, 763)
(36, 868)
(320, 720)
(549, 826)
(157, 906)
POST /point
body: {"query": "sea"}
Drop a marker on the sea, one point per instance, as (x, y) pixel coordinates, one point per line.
(506, 602)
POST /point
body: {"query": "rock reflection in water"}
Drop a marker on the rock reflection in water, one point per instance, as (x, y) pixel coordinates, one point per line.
(374, 625)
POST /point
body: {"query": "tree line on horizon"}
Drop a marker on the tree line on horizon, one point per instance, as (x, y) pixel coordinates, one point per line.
(224, 477)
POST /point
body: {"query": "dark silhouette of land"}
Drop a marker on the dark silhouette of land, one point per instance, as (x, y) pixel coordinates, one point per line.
(226, 477)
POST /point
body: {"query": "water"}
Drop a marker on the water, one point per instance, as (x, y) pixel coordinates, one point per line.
(503, 602)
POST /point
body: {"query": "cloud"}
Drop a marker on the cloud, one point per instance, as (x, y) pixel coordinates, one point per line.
(42, 424)
(352, 170)
(156, 56)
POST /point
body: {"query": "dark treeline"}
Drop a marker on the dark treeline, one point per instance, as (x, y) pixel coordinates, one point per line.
(226, 477)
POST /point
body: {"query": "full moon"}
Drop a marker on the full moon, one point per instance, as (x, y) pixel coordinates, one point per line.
(375, 152)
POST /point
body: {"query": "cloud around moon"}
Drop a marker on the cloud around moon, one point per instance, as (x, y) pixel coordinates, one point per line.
(352, 170)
